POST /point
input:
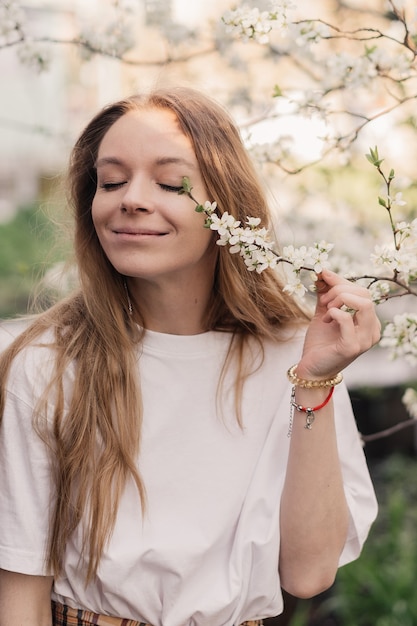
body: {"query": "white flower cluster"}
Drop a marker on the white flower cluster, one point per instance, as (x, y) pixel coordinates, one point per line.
(400, 336)
(12, 21)
(12, 29)
(253, 244)
(310, 102)
(349, 71)
(272, 152)
(249, 241)
(399, 256)
(307, 32)
(410, 402)
(315, 258)
(115, 36)
(398, 65)
(379, 291)
(34, 55)
(250, 23)
(115, 39)
(356, 71)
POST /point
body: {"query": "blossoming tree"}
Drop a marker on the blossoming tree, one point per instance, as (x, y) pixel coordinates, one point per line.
(345, 67)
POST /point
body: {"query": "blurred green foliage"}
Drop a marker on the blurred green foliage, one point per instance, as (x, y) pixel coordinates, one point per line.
(379, 588)
(27, 249)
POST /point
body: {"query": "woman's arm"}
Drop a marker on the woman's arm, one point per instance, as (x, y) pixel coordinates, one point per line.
(314, 513)
(25, 599)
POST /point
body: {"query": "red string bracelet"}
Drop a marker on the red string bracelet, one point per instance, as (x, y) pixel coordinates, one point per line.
(310, 417)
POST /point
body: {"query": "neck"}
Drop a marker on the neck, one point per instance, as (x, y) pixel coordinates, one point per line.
(172, 308)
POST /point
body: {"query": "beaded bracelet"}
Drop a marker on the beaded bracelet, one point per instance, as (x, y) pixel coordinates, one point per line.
(309, 384)
(310, 416)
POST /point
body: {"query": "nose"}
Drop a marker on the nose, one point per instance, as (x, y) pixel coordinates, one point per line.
(137, 197)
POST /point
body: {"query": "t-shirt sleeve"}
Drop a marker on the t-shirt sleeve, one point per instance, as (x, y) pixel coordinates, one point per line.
(359, 490)
(25, 481)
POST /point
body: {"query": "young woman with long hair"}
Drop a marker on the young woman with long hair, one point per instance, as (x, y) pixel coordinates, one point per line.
(146, 472)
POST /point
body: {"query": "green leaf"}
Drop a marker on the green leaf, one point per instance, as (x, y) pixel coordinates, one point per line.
(369, 50)
(277, 92)
(382, 202)
(373, 157)
(186, 186)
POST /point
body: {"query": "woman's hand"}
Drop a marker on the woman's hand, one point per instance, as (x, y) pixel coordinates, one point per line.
(344, 326)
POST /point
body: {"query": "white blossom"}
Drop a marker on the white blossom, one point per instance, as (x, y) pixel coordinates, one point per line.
(126, 6)
(253, 221)
(12, 20)
(209, 207)
(225, 226)
(398, 63)
(273, 152)
(252, 24)
(315, 256)
(309, 31)
(383, 256)
(410, 402)
(413, 227)
(115, 39)
(34, 55)
(397, 199)
(294, 286)
(310, 102)
(296, 256)
(352, 72)
(319, 255)
(258, 259)
(379, 291)
(400, 337)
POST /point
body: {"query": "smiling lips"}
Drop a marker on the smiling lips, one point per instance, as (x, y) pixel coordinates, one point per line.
(138, 232)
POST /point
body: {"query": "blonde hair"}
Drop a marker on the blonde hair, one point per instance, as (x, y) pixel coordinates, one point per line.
(96, 442)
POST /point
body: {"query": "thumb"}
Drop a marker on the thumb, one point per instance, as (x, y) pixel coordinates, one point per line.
(322, 287)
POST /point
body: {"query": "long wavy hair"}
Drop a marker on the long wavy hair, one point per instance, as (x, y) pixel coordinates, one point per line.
(96, 439)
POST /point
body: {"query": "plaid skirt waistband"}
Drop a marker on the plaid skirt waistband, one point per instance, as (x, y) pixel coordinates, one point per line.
(63, 615)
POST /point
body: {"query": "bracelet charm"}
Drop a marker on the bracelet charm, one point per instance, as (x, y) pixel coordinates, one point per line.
(310, 412)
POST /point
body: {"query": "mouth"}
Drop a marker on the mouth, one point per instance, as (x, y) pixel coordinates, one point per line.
(138, 232)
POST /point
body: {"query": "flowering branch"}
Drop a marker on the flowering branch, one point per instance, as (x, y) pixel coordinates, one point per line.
(335, 72)
(254, 245)
(252, 242)
(399, 257)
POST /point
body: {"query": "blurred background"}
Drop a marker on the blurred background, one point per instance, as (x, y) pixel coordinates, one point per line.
(310, 101)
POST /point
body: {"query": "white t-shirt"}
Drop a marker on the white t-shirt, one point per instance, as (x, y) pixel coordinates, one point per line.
(206, 551)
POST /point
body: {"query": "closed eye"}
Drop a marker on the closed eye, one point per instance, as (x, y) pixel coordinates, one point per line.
(111, 186)
(171, 188)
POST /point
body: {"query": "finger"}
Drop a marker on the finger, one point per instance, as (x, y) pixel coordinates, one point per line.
(331, 278)
(362, 329)
(350, 300)
(321, 286)
(329, 286)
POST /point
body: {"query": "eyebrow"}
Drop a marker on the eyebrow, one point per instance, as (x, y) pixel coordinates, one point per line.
(159, 162)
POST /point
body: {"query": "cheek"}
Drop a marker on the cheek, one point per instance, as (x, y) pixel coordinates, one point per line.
(96, 213)
(207, 240)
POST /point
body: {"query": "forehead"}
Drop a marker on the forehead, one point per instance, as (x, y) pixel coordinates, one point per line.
(146, 132)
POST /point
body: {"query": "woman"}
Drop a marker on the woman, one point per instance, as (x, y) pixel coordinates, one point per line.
(146, 472)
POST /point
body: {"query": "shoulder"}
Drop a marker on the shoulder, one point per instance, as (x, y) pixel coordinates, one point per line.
(11, 329)
(33, 361)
